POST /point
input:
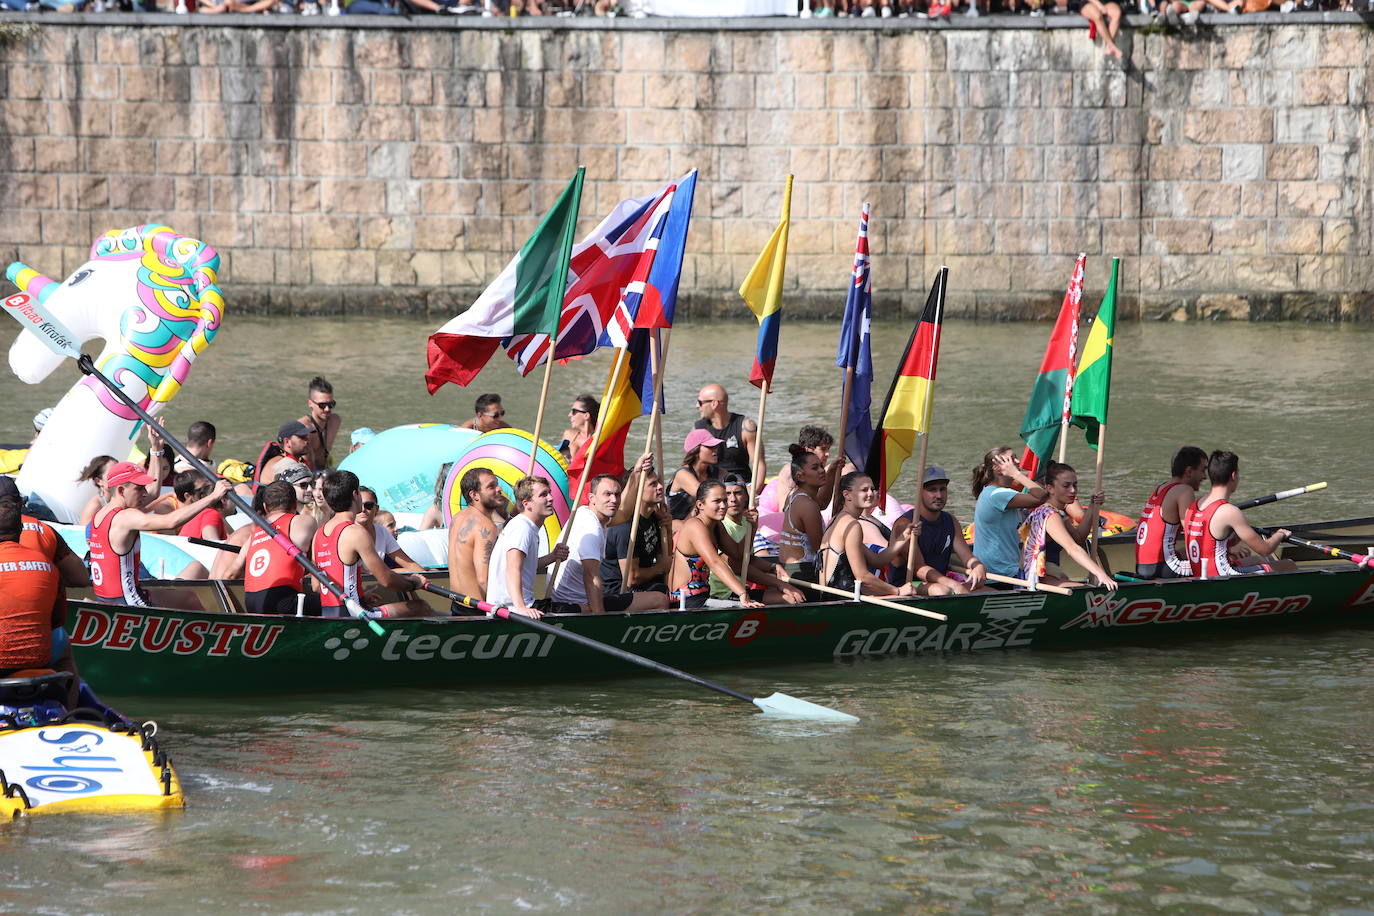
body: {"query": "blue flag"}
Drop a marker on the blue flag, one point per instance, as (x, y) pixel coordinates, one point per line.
(855, 351)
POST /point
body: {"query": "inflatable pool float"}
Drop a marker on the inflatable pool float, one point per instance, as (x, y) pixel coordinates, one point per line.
(402, 464)
(86, 760)
(150, 294)
(506, 453)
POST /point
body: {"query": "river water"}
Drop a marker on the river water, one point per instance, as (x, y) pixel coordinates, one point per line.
(1231, 775)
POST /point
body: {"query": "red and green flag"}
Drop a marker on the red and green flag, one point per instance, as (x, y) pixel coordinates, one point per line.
(1091, 391)
(1051, 397)
(527, 298)
(906, 411)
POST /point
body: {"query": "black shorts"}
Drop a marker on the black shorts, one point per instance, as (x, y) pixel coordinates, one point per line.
(143, 596)
(280, 599)
(1155, 571)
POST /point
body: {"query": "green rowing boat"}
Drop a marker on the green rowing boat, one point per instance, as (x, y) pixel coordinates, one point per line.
(154, 651)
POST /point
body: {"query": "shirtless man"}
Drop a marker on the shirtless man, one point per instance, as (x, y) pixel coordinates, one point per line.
(488, 414)
(472, 534)
(1214, 529)
(321, 421)
(342, 549)
(740, 453)
(939, 536)
(115, 529)
(1157, 533)
(294, 437)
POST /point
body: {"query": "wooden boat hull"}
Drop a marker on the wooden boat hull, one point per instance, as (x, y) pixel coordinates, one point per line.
(144, 651)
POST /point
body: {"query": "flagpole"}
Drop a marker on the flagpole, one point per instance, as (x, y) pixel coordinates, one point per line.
(1097, 485)
(543, 399)
(754, 485)
(844, 429)
(627, 581)
(925, 443)
(660, 461)
(575, 499)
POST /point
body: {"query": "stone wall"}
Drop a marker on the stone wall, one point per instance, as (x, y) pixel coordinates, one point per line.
(350, 165)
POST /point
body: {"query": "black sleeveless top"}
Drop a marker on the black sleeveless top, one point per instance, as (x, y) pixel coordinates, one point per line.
(937, 542)
(734, 456)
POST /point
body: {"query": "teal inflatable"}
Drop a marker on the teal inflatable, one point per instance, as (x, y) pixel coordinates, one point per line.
(402, 463)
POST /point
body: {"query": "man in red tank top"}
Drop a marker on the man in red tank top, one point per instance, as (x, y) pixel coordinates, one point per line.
(1215, 530)
(271, 577)
(115, 530)
(343, 549)
(1157, 539)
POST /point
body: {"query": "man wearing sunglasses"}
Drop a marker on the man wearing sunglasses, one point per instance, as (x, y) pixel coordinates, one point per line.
(489, 414)
(383, 541)
(740, 451)
(321, 420)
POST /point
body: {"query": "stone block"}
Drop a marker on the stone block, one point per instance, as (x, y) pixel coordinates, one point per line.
(1258, 199)
(1209, 199)
(1324, 86)
(1303, 125)
(1309, 198)
(1242, 162)
(1291, 162)
(805, 52)
(1229, 126)
(1181, 236)
(1264, 273)
(1222, 307)
(1239, 236)
(642, 51)
(329, 231)
(1295, 236)
(1192, 163)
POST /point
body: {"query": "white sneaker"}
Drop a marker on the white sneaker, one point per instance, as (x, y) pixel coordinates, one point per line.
(1190, 17)
(887, 12)
(868, 13)
(972, 11)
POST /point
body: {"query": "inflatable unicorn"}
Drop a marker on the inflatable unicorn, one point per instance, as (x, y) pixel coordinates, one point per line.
(150, 295)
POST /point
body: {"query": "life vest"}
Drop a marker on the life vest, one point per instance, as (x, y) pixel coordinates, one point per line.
(325, 548)
(1206, 553)
(1155, 539)
(114, 576)
(267, 564)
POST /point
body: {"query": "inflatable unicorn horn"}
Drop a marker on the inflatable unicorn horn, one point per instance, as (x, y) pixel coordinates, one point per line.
(150, 295)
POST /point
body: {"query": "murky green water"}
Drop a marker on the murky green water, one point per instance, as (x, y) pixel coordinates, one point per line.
(1227, 775)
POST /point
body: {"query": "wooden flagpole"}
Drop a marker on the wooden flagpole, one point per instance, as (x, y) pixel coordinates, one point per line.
(925, 436)
(543, 399)
(576, 497)
(844, 431)
(660, 461)
(655, 364)
(1097, 485)
(754, 484)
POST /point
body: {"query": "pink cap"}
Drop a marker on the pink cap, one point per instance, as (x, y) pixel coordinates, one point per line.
(126, 472)
(699, 437)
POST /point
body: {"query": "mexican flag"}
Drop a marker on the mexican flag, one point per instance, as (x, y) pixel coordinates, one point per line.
(1091, 390)
(1050, 397)
(526, 298)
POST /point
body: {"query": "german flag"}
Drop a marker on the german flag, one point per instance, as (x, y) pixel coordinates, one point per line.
(906, 411)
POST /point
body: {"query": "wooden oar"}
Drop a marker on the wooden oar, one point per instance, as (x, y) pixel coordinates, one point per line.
(1282, 494)
(867, 599)
(87, 366)
(1359, 559)
(778, 703)
(1024, 583)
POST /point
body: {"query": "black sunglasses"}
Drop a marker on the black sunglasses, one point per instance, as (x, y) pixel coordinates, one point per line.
(369, 505)
(495, 416)
(330, 404)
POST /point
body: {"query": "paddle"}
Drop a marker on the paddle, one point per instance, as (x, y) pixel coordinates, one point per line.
(1282, 494)
(1359, 559)
(868, 599)
(778, 704)
(1026, 583)
(87, 367)
(218, 545)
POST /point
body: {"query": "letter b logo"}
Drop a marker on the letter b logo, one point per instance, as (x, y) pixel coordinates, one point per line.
(747, 627)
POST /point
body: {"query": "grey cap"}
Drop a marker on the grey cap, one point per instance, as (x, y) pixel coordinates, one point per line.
(296, 473)
(934, 473)
(293, 428)
(9, 489)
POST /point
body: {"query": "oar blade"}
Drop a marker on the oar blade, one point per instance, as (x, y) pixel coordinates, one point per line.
(780, 704)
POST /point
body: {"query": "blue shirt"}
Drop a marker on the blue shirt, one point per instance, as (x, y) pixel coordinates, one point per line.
(996, 538)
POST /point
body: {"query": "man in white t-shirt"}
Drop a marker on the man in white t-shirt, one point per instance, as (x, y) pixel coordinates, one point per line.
(515, 559)
(577, 586)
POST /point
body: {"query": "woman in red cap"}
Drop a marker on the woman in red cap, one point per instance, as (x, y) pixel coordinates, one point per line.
(699, 464)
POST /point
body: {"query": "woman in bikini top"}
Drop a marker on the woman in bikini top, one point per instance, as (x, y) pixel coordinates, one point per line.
(696, 553)
(802, 526)
(845, 556)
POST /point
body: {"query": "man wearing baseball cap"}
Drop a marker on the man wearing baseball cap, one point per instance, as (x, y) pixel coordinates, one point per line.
(294, 438)
(938, 535)
(114, 537)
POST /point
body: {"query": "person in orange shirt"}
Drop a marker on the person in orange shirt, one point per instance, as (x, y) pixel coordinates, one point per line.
(29, 584)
